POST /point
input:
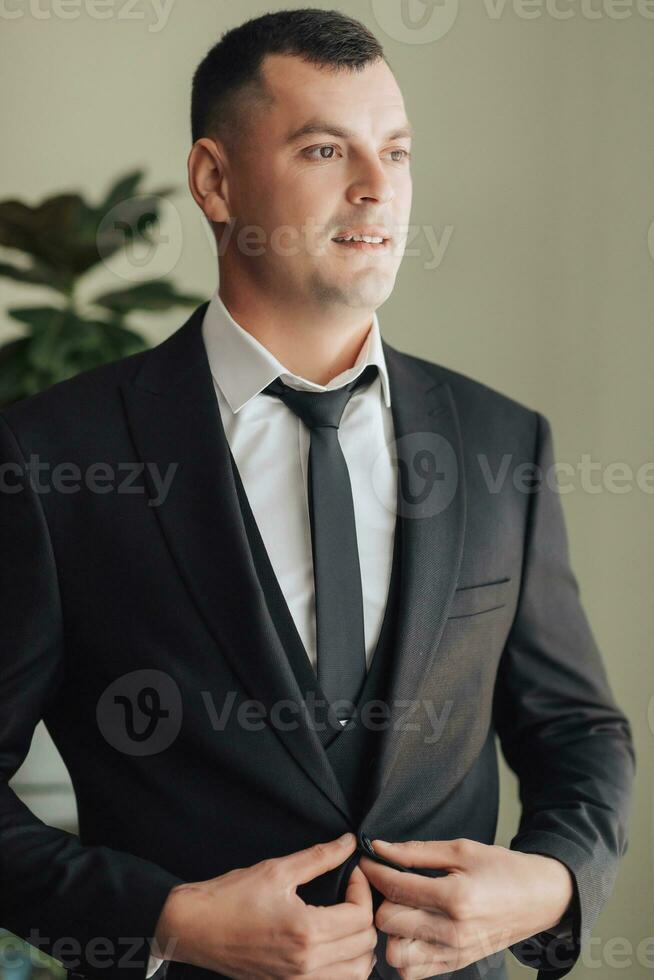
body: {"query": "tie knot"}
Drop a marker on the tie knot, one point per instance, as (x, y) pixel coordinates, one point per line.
(320, 408)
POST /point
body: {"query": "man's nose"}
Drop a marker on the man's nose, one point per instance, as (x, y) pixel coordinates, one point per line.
(371, 183)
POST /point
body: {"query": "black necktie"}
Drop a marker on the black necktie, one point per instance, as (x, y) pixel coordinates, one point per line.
(341, 653)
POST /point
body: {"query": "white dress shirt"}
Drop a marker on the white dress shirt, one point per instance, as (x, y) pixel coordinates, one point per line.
(270, 445)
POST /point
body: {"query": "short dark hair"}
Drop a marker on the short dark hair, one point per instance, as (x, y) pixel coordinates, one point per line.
(228, 79)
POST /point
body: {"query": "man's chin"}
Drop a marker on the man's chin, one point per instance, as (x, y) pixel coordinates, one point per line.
(367, 292)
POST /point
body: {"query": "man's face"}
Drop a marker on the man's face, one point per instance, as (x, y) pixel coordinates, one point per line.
(328, 158)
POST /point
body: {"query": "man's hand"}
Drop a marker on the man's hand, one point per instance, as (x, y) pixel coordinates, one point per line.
(250, 923)
(491, 898)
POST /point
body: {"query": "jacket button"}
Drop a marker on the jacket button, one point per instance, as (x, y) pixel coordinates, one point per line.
(366, 844)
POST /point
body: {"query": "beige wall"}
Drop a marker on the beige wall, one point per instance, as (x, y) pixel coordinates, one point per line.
(533, 163)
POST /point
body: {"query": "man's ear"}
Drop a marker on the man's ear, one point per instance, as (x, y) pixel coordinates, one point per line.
(207, 179)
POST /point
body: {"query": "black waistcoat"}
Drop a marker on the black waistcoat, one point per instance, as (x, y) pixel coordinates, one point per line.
(352, 749)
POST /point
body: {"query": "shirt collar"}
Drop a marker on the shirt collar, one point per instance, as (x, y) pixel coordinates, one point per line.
(242, 367)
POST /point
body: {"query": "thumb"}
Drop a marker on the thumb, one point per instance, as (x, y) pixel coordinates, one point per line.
(358, 890)
(305, 865)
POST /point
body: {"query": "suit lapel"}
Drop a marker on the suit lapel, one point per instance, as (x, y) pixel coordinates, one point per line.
(174, 418)
(432, 512)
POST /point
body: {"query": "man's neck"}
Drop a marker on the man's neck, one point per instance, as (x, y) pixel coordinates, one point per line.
(314, 347)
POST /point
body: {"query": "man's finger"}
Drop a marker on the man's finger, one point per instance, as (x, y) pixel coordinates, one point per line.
(354, 915)
(445, 854)
(359, 967)
(419, 958)
(337, 921)
(427, 925)
(406, 888)
(305, 865)
(344, 950)
(358, 890)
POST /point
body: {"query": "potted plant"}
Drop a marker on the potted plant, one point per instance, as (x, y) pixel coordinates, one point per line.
(61, 240)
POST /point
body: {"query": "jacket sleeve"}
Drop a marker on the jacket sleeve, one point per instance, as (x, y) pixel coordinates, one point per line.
(92, 908)
(560, 729)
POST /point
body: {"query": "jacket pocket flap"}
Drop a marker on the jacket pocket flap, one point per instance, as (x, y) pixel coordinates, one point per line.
(472, 599)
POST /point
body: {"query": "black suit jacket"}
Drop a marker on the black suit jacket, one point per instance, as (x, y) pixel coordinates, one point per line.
(114, 612)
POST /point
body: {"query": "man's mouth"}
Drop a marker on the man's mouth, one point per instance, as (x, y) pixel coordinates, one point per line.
(362, 242)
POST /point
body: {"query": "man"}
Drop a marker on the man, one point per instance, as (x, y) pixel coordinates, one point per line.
(309, 612)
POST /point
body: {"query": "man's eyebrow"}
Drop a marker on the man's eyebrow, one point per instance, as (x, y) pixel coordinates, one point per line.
(325, 127)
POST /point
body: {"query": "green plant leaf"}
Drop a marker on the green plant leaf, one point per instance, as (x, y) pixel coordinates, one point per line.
(126, 187)
(36, 275)
(69, 236)
(64, 236)
(46, 232)
(158, 294)
(60, 345)
(14, 367)
(123, 188)
(127, 222)
(53, 351)
(37, 317)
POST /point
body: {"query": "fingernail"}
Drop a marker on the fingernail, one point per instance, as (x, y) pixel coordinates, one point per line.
(378, 840)
(346, 838)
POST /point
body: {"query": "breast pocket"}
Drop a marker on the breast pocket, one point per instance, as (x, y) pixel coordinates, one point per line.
(472, 600)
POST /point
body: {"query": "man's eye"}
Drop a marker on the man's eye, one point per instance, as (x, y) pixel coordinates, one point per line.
(319, 149)
(326, 151)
